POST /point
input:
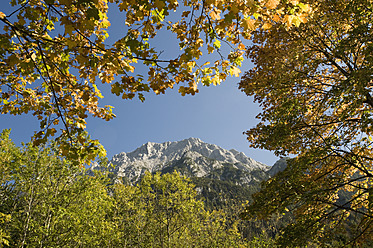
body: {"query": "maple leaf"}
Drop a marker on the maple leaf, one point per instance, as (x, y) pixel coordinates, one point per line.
(272, 4)
(249, 24)
(241, 46)
(267, 26)
(215, 14)
(235, 71)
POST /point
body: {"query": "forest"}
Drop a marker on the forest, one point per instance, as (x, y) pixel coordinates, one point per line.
(312, 77)
(49, 202)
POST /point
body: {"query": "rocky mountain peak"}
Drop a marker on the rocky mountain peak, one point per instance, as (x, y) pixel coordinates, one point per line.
(196, 157)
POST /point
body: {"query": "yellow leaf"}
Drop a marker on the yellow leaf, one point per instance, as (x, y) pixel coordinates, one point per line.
(296, 21)
(294, 2)
(2, 15)
(305, 7)
(194, 86)
(199, 42)
(33, 56)
(98, 92)
(288, 19)
(216, 80)
(105, 23)
(235, 71)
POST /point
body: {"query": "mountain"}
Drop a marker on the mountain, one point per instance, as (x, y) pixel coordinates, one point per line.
(279, 166)
(223, 178)
(190, 157)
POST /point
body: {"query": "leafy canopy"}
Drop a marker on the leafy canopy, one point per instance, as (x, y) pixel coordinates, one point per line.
(314, 83)
(47, 201)
(53, 55)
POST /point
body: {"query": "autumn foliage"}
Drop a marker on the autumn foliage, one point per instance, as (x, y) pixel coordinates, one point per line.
(314, 83)
(54, 57)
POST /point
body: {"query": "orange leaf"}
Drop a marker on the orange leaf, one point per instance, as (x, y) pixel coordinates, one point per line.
(267, 26)
(215, 14)
(241, 46)
(276, 18)
(249, 24)
(272, 4)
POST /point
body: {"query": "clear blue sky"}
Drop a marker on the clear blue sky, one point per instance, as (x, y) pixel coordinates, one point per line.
(217, 115)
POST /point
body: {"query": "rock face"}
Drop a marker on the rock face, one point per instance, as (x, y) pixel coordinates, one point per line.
(191, 157)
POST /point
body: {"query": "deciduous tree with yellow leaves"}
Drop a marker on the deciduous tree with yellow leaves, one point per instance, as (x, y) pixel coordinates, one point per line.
(314, 83)
(54, 57)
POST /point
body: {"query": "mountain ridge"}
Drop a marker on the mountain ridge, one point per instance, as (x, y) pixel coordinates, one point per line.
(196, 158)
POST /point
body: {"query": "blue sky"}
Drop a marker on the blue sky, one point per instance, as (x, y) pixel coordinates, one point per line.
(218, 114)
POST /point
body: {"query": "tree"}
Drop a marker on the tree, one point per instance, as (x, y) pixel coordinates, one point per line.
(163, 211)
(50, 202)
(314, 83)
(54, 72)
(7, 151)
